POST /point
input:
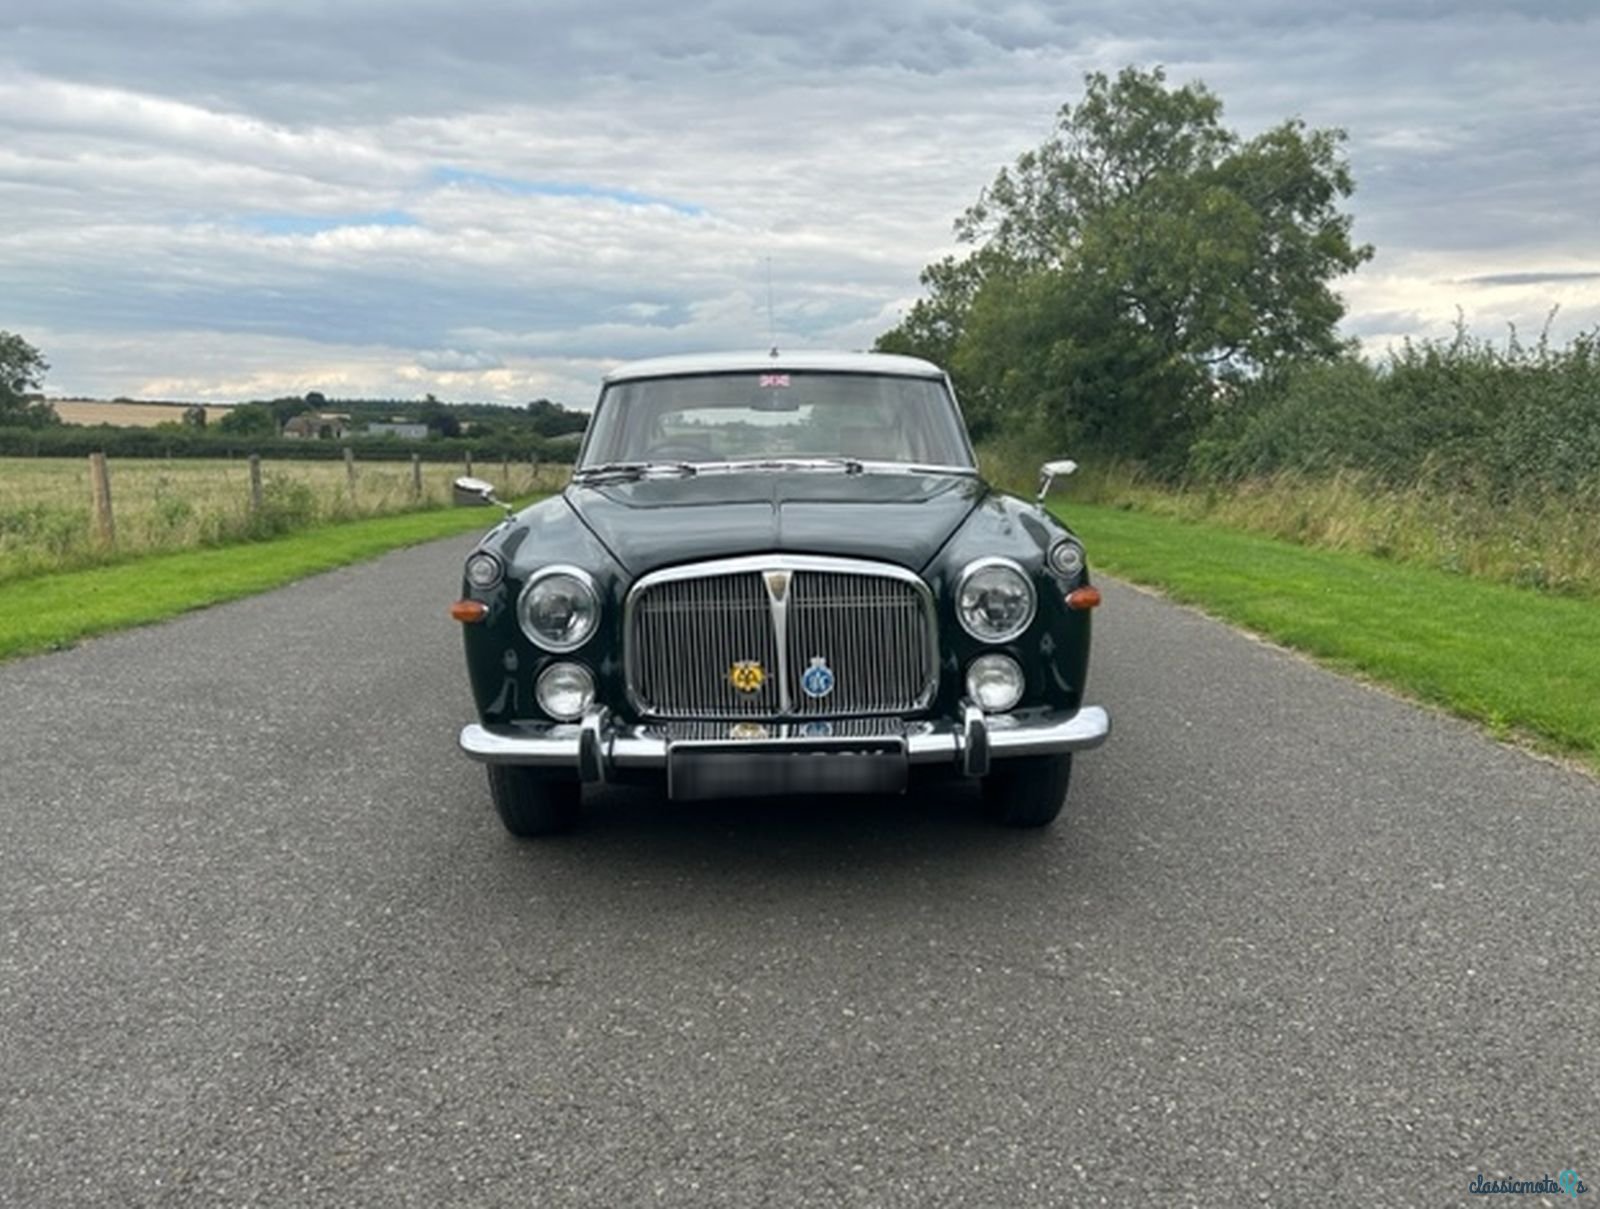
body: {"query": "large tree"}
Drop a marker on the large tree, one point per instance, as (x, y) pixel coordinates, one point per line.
(1142, 252)
(22, 371)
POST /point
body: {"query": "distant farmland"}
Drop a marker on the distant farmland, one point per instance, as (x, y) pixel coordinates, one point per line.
(127, 415)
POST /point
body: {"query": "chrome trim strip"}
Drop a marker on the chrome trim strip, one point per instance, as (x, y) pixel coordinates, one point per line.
(778, 584)
(761, 563)
(559, 744)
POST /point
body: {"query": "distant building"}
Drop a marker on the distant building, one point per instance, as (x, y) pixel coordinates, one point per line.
(316, 425)
(396, 428)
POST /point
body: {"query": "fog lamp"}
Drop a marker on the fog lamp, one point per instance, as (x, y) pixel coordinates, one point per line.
(994, 683)
(565, 691)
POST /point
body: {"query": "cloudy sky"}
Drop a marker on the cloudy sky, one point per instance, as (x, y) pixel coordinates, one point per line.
(221, 199)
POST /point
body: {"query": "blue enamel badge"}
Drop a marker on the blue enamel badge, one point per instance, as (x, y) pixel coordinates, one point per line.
(817, 680)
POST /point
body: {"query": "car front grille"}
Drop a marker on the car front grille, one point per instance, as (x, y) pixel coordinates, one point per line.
(695, 635)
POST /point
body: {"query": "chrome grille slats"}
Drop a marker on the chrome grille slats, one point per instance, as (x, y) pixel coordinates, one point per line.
(872, 623)
(686, 635)
(871, 631)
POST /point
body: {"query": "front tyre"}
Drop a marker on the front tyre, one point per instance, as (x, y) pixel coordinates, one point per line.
(530, 804)
(1027, 792)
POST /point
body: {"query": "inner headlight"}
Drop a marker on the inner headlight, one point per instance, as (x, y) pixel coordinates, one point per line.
(994, 600)
(565, 691)
(559, 609)
(995, 682)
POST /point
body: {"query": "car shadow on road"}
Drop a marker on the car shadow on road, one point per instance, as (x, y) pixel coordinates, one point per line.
(934, 834)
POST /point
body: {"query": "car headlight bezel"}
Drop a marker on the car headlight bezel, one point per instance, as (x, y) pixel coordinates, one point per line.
(995, 567)
(1067, 558)
(541, 580)
(580, 676)
(995, 667)
(483, 571)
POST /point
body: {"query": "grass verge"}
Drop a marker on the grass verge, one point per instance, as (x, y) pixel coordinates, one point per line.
(1521, 662)
(54, 611)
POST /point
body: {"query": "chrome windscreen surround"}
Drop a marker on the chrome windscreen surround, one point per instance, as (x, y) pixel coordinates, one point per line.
(775, 617)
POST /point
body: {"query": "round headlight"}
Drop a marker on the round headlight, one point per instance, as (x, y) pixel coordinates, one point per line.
(559, 609)
(994, 682)
(565, 690)
(1066, 557)
(484, 571)
(994, 600)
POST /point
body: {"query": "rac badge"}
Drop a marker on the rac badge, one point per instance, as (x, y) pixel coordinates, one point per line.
(746, 676)
(817, 680)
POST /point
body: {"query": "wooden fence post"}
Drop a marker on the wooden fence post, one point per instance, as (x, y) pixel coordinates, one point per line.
(105, 525)
(416, 476)
(469, 463)
(255, 484)
(350, 469)
(505, 472)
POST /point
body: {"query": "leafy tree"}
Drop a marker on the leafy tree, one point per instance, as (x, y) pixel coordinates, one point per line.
(194, 416)
(1140, 255)
(552, 419)
(249, 420)
(22, 371)
(316, 400)
(285, 409)
(439, 418)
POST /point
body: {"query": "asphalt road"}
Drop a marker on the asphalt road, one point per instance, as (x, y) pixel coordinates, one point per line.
(263, 942)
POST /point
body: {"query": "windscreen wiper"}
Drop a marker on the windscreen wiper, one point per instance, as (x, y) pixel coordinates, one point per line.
(632, 471)
(848, 465)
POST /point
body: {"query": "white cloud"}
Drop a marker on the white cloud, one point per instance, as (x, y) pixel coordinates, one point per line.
(453, 360)
(223, 200)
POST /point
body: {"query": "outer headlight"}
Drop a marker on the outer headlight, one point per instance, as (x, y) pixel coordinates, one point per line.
(994, 600)
(1066, 558)
(484, 570)
(559, 608)
(995, 682)
(565, 691)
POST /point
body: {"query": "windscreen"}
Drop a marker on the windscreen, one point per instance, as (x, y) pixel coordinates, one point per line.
(753, 415)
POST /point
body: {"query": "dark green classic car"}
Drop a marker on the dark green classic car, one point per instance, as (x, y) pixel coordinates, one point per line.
(777, 574)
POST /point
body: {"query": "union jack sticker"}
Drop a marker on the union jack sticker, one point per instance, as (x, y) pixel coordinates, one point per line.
(774, 379)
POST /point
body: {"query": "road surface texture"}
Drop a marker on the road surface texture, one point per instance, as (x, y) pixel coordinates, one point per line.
(263, 942)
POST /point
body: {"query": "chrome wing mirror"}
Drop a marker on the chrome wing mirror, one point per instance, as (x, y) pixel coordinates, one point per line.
(1049, 472)
(473, 493)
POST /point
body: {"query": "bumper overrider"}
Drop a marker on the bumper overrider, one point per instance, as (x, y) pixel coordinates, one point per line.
(792, 757)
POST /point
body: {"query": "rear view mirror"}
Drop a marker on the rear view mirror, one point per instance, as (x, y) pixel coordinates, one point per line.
(1050, 471)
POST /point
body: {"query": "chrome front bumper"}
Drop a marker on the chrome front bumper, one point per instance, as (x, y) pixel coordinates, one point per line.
(597, 746)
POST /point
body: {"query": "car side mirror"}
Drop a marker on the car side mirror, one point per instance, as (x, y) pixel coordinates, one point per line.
(472, 493)
(1050, 471)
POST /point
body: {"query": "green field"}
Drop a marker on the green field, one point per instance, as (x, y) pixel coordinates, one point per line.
(49, 612)
(1524, 663)
(160, 505)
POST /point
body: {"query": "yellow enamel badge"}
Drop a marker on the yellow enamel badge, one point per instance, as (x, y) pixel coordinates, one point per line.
(746, 676)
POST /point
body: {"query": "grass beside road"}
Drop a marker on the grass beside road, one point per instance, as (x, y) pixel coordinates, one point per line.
(1524, 663)
(53, 611)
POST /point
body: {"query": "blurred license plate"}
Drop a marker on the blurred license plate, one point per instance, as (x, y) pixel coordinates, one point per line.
(729, 772)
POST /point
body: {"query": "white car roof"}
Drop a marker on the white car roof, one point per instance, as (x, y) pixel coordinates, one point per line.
(776, 362)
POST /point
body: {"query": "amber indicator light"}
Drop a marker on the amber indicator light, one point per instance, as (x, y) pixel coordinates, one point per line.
(469, 610)
(1083, 598)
